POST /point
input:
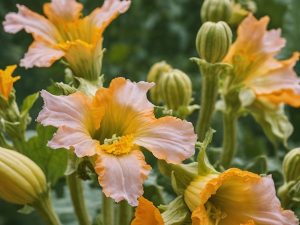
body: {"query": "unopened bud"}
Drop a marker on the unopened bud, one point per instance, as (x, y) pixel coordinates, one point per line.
(176, 89)
(213, 41)
(291, 165)
(216, 10)
(154, 75)
(22, 181)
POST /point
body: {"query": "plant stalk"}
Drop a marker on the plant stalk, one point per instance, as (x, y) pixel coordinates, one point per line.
(229, 138)
(209, 93)
(76, 191)
(107, 210)
(125, 213)
(45, 208)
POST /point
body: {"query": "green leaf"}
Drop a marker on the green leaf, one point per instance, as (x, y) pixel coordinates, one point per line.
(53, 162)
(28, 103)
(176, 212)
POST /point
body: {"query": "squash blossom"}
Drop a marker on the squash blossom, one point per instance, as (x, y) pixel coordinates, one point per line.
(64, 33)
(111, 126)
(255, 66)
(234, 197)
(7, 81)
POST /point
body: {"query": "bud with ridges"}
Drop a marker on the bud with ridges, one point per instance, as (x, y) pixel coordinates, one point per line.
(22, 181)
(216, 10)
(156, 72)
(291, 165)
(213, 41)
(175, 89)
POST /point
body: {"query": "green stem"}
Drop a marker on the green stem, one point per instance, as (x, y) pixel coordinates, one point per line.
(45, 208)
(125, 213)
(209, 93)
(107, 210)
(229, 137)
(76, 191)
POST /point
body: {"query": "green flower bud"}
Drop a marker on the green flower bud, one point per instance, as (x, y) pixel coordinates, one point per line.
(22, 181)
(291, 165)
(213, 41)
(216, 10)
(154, 75)
(176, 89)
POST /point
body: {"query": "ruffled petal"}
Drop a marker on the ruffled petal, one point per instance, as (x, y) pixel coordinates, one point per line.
(147, 214)
(33, 23)
(102, 17)
(168, 138)
(284, 96)
(244, 197)
(73, 111)
(281, 78)
(41, 55)
(79, 140)
(122, 177)
(63, 10)
(254, 40)
(200, 217)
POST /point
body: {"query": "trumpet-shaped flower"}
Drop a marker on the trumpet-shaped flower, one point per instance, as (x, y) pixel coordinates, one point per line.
(64, 33)
(255, 66)
(7, 81)
(234, 197)
(111, 126)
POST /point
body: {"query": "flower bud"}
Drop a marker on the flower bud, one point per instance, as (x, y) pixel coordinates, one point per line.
(22, 181)
(154, 75)
(175, 89)
(216, 10)
(291, 165)
(213, 41)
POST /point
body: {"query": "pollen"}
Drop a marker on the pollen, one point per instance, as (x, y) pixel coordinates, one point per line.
(118, 145)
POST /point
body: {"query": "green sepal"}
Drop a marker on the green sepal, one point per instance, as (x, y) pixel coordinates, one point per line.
(89, 87)
(176, 212)
(181, 174)
(273, 120)
(60, 88)
(258, 165)
(26, 210)
(204, 166)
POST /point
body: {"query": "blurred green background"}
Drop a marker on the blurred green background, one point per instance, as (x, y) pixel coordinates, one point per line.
(149, 32)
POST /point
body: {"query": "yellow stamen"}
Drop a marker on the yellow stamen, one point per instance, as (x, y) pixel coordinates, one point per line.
(118, 145)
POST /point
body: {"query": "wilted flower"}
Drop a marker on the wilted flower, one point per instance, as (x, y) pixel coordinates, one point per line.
(112, 125)
(7, 81)
(255, 66)
(64, 33)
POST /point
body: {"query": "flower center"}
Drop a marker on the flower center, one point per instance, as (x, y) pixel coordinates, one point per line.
(214, 213)
(118, 145)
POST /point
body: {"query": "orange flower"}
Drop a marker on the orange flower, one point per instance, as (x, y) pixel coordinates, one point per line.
(255, 66)
(64, 33)
(7, 81)
(233, 197)
(111, 126)
(147, 214)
